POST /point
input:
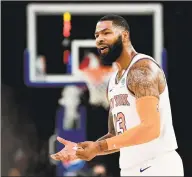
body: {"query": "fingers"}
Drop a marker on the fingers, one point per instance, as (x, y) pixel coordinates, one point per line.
(55, 157)
(63, 155)
(83, 144)
(83, 156)
(63, 141)
(60, 156)
(80, 151)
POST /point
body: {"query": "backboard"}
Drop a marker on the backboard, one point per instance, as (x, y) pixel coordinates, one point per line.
(60, 38)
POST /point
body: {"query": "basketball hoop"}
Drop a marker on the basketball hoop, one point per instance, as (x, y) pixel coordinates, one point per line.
(97, 82)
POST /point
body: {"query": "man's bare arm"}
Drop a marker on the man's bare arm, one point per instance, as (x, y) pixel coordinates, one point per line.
(143, 80)
(147, 82)
(111, 133)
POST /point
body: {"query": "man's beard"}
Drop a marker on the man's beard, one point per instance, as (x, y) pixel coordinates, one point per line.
(113, 54)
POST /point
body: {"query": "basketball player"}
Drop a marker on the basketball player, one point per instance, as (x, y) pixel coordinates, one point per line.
(140, 120)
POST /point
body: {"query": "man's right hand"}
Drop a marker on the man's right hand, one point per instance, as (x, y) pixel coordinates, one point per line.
(67, 153)
(87, 150)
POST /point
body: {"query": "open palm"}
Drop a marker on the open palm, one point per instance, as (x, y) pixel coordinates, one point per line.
(67, 153)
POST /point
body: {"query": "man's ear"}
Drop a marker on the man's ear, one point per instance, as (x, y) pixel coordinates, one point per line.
(125, 36)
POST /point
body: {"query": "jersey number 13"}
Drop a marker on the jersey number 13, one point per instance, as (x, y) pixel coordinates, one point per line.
(120, 122)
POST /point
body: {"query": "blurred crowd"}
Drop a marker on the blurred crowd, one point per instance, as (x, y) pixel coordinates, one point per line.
(24, 153)
(37, 164)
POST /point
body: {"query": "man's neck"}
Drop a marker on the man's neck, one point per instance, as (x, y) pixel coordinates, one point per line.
(126, 57)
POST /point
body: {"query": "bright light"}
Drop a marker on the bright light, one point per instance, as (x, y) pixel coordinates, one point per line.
(67, 16)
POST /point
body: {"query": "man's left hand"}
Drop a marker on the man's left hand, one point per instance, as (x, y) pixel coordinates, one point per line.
(67, 153)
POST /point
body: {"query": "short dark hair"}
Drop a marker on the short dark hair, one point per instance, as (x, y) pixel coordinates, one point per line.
(116, 20)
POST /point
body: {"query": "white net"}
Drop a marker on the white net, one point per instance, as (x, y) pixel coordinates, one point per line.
(97, 82)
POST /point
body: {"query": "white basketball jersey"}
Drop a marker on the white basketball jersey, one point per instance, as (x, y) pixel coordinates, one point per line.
(123, 108)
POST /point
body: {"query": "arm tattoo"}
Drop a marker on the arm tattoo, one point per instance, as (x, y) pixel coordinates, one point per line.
(100, 146)
(162, 81)
(143, 79)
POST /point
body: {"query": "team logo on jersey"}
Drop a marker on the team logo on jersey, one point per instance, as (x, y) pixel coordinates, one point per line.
(119, 100)
(123, 81)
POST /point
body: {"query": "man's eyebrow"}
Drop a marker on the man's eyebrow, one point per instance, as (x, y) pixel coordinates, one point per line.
(101, 30)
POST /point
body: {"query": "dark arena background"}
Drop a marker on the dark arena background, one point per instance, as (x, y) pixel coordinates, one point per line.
(47, 47)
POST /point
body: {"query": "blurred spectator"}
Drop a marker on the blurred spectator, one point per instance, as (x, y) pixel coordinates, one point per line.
(70, 102)
(14, 172)
(99, 170)
(20, 164)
